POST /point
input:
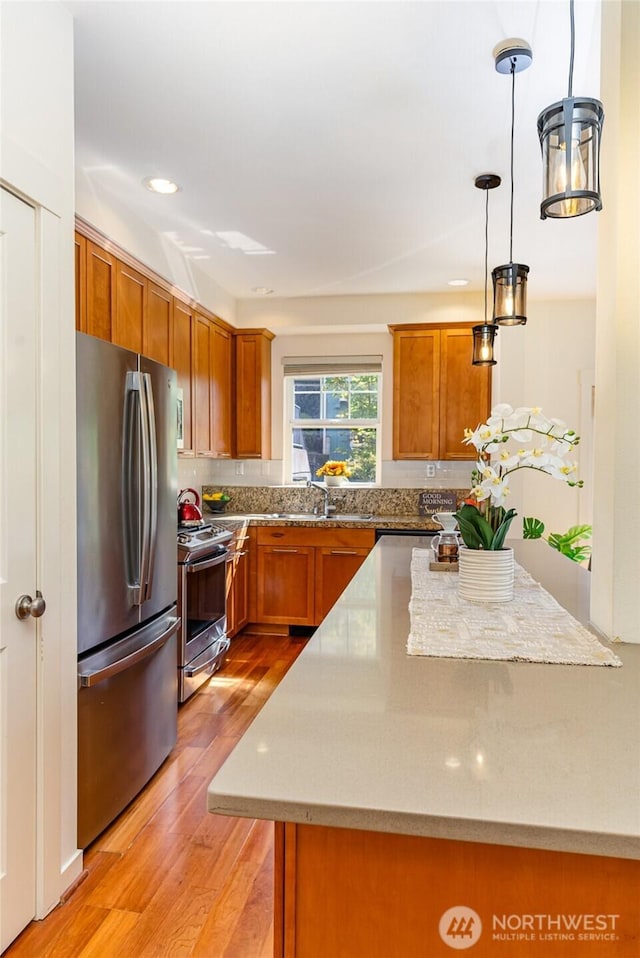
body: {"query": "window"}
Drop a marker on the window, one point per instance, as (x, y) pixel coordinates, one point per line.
(333, 417)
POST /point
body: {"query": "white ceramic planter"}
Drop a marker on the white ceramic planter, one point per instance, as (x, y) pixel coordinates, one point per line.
(485, 576)
(335, 480)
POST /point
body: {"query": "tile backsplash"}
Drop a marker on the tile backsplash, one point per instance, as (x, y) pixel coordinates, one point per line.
(259, 472)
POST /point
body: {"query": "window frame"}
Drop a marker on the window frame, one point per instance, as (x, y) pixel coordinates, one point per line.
(291, 424)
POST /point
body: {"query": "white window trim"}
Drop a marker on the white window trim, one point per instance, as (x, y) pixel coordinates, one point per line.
(291, 424)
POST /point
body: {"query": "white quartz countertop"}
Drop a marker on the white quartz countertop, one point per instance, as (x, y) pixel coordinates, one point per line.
(361, 735)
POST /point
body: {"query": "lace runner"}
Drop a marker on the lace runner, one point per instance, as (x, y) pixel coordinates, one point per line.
(532, 628)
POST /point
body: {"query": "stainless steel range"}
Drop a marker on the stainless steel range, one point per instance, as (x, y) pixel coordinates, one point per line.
(202, 558)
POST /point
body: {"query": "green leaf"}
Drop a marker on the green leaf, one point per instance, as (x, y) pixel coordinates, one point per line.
(503, 528)
(532, 528)
(468, 531)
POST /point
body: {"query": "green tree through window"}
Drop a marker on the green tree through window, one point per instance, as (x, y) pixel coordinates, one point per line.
(334, 417)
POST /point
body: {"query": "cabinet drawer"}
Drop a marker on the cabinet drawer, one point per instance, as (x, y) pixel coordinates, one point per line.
(307, 536)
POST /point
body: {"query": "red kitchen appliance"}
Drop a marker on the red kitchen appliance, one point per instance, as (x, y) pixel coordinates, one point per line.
(189, 513)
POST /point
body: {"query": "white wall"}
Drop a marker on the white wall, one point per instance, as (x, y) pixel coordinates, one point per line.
(36, 153)
(616, 559)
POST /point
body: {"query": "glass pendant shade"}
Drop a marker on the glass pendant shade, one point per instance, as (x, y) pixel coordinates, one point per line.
(570, 133)
(483, 339)
(510, 294)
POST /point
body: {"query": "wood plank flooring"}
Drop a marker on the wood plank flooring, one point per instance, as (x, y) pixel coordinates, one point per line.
(167, 879)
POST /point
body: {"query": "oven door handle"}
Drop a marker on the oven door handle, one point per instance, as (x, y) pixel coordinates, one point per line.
(209, 563)
(219, 648)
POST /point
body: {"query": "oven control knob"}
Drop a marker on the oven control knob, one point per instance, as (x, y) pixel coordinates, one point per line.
(182, 539)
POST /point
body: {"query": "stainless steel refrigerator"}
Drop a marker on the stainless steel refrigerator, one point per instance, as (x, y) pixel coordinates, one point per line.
(127, 577)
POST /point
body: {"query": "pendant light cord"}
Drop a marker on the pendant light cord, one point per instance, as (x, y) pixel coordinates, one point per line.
(486, 252)
(513, 116)
(573, 43)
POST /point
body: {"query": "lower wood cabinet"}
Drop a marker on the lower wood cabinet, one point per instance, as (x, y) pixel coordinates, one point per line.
(238, 581)
(301, 571)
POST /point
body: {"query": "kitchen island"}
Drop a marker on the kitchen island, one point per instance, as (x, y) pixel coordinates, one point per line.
(405, 787)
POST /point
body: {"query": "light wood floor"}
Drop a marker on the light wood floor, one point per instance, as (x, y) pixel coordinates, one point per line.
(167, 878)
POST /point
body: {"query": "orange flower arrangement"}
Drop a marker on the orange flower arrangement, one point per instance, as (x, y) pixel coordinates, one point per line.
(334, 467)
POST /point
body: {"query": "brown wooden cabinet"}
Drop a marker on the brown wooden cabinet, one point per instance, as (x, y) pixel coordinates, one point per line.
(81, 282)
(302, 570)
(221, 391)
(157, 329)
(123, 301)
(336, 566)
(238, 581)
(181, 359)
(100, 291)
(436, 391)
(212, 389)
(253, 393)
(131, 307)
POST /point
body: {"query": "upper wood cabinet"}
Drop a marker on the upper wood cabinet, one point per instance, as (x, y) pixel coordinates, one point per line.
(157, 328)
(100, 291)
(221, 391)
(436, 391)
(131, 307)
(81, 282)
(123, 301)
(182, 353)
(253, 393)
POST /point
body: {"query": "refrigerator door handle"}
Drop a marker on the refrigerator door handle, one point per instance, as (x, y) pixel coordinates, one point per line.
(150, 465)
(145, 487)
(93, 677)
(130, 520)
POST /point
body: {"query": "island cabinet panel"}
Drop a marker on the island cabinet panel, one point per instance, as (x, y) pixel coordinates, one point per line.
(183, 351)
(335, 568)
(100, 292)
(286, 584)
(81, 282)
(346, 893)
(436, 391)
(157, 325)
(131, 306)
(253, 394)
(465, 391)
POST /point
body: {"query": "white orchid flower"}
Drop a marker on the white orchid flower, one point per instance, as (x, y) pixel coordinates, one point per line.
(480, 493)
(507, 460)
(502, 411)
(537, 458)
(497, 488)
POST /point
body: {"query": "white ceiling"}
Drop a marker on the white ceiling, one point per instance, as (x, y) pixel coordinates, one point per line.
(345, 136)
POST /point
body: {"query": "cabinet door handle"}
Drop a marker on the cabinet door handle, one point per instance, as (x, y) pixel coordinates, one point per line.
(276, 549)
(344, 552)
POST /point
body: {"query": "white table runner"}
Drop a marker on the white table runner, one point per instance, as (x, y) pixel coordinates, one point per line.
(531, 628)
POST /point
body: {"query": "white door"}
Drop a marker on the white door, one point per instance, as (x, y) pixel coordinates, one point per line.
(18, 637)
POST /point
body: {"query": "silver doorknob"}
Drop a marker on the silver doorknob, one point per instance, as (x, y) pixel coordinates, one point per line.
(26, 606)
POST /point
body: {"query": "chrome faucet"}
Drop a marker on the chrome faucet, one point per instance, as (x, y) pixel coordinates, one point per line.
(328, 506)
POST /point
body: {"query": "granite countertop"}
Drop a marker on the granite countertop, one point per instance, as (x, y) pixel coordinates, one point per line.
(360, 735)
(409, 522)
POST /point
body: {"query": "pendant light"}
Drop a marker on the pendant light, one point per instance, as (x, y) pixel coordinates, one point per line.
(510, 281)
(484, 335)
(569, 133)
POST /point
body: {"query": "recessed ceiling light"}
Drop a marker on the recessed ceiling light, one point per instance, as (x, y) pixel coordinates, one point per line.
(262, 290)
(157, 184)
(458, 282)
